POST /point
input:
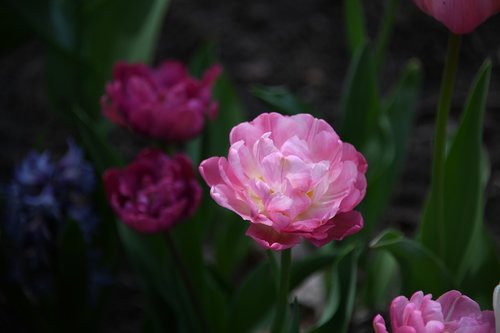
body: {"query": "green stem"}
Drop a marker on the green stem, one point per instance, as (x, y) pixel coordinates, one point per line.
(187, 280)
(282, 301)
(274, 267)
(439, 151)
(385, 32)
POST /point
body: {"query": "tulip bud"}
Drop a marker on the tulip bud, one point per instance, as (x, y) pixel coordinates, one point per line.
(460, 16)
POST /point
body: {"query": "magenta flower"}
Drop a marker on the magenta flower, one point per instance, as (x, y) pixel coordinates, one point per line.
(291, 177)
(164, 103)
(460, 16)
(452, 312)
(154, 192)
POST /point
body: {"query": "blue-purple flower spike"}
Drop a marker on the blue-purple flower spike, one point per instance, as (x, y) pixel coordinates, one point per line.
(40, 198)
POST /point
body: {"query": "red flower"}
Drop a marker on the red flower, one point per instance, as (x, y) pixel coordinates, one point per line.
(154, 192)
(163, 103)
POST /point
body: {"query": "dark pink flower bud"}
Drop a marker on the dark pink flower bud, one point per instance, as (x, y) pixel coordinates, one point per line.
(154, 192)
(460, 16)
(163, 103)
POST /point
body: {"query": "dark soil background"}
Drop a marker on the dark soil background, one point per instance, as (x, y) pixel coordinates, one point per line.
(300, 44)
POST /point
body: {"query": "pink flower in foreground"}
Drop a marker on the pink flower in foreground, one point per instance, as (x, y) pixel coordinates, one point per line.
(291, 177)
(163, 103)
(153, 192)
(460, 16)
(452, 312)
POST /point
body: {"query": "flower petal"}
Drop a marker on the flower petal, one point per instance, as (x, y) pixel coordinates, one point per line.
(269, 238)
(339, 227)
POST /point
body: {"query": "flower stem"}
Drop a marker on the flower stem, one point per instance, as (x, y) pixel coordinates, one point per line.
(439, 151)
(186, 280)
(274, 267)
(282, 300)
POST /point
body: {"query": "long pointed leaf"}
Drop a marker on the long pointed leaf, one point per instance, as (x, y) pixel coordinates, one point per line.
(399, 114)
(342, 295)
(151, 260)
(360, 103)
(255, 296)
(463, 188)
(355, 24)
(420, 269)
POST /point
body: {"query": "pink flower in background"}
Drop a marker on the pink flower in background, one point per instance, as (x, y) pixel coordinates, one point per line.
(291, 177)
(153, 192)
(460, 16)
(163, 103)
(452, 312)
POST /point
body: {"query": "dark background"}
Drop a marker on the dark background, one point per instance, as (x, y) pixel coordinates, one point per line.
(300, 44)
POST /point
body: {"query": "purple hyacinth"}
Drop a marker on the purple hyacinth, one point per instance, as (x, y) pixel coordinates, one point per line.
(40, 198)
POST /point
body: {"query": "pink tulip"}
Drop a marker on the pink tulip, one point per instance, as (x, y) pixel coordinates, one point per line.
(154, 192)
(163, 103)
(460, 16)
(291, 177)
(452, 312)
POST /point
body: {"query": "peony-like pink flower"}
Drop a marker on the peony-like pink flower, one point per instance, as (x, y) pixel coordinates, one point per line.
(291, 177)
(153, 192)
(452, 312)
(163, 103)
(460, 16)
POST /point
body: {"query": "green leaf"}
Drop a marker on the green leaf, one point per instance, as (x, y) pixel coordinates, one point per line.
(463, 185)
(280, 99)
(193, 149)
(72, 279)
(293, 320)
(360, 103)
(189, 238)
(116, 30)
(483, 268)
(385, 32)
(255, 297)
(230, 114)
(420, 269)
(85, 39)
(216, 304)
(161, 283)
(340, 303)
(204, 57)
(301, 270)
(93, 138)
(381, 280)
(398, 117)
(230, 235)
(65, 19)
(355, 24)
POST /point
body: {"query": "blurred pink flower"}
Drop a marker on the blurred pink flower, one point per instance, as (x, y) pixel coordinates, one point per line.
(153, 192)
(291, 177)
(163, 103)
(452, 312)
(460, 16)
